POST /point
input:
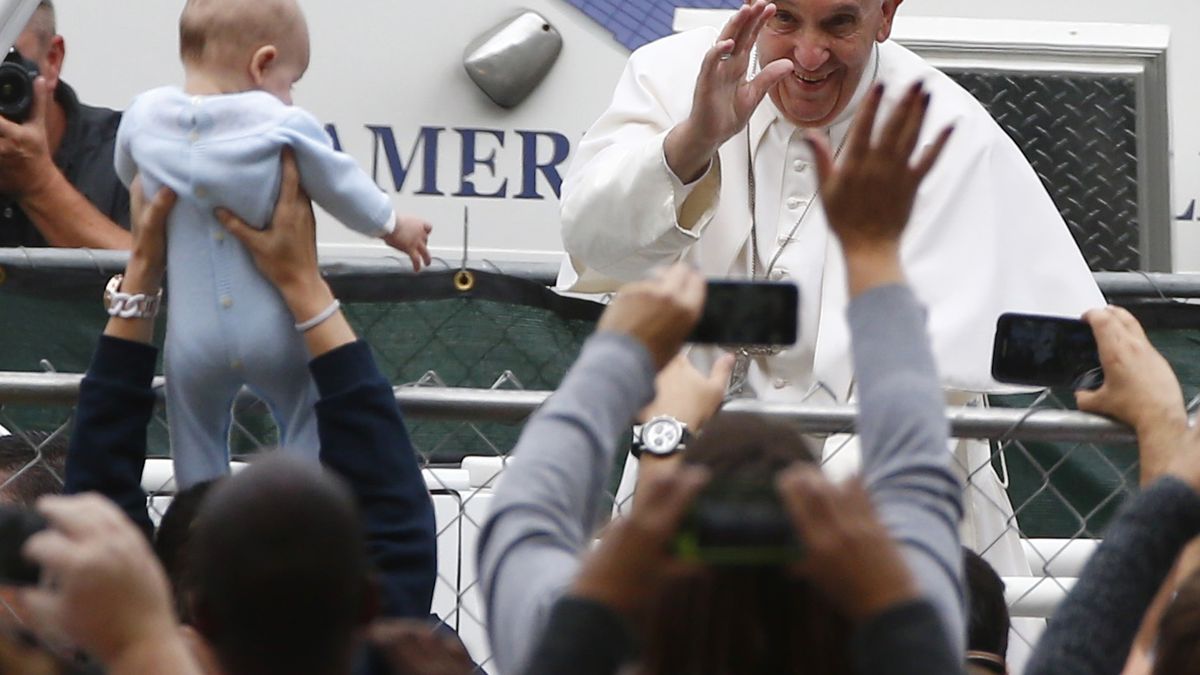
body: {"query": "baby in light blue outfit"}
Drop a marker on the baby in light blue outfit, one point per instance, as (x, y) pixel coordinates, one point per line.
(216, 143)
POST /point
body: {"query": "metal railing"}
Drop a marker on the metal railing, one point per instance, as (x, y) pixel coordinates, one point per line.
(1062, 474)
(1054, 561)
(1116, 286)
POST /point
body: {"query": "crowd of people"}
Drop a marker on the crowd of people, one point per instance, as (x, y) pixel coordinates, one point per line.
(322, 560)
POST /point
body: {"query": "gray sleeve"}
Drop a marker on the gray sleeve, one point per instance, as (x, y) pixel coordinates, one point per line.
(549, 497)
(904, 434)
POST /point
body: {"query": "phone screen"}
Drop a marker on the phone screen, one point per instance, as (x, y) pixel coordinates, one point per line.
(1045, 351)
(749, 313)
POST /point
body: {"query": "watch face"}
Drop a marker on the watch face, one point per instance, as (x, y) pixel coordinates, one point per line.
(662, 436)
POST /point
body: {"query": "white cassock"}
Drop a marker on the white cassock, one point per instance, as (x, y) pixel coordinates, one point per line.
(985, 238)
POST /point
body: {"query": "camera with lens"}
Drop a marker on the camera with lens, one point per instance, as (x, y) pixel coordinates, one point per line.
(17, 74)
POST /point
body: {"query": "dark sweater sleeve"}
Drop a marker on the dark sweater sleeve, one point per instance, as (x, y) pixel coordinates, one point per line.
(908, 639)
(364, 439)
(1093, 629)
(583, 638)
(107, 449)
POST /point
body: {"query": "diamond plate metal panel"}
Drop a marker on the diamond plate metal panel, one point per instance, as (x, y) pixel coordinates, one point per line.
(1080, 134)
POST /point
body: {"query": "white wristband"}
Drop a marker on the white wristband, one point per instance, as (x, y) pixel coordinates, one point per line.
(321, 318)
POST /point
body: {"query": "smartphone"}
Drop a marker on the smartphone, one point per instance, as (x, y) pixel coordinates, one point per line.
(1046, 351)
(749, 313)
(17, 525)
(740, 524)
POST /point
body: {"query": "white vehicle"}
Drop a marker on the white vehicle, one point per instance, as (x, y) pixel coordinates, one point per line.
(388, 77)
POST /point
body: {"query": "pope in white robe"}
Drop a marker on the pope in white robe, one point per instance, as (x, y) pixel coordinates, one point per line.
(985, 237)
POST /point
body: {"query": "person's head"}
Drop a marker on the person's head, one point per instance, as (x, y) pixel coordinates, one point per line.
(246, 45)
(987, 617)
(277, 570)
(171, 542)
(31, 466)
(41, 43)
(1178, 648)
(719, 620)
(829, 43)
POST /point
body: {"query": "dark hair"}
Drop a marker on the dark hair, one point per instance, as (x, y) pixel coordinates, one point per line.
(727, 620)
(172, 538)
(987, 612)
(748, 447)
(277, 570)
(1178, 649)
(32, 466)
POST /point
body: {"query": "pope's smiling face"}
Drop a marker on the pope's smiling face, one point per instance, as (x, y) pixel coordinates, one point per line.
(829, 43)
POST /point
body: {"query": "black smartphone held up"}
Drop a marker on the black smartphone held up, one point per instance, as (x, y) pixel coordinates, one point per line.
(1046, 351)
(749, 313)
(738, 524)
(16, 526)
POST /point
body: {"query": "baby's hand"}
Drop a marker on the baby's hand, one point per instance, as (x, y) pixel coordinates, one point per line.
(411, 236)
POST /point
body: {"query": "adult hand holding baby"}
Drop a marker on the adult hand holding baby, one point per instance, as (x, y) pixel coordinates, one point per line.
(286, 254)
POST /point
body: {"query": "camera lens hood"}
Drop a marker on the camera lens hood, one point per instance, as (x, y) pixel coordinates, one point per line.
(16, 86)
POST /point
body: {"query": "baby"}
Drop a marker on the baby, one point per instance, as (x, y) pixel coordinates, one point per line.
(217, 142)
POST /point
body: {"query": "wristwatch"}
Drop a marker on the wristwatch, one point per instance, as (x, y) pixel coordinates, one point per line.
(130, 306)
(662, 436)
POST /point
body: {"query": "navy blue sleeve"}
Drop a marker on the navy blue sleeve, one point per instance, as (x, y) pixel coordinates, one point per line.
(364, 439)
(107, 449)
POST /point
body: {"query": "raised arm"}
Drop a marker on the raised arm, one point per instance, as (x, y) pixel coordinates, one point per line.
(107, 450)
(724, 99)
(644, 182)
(64, 216)
(902, 420)
(363, 436)
(546, 507)
(1094, 628)
(334, 180)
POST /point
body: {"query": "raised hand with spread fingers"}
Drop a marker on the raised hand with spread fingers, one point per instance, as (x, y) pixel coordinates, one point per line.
(869, 197)
(724, 99)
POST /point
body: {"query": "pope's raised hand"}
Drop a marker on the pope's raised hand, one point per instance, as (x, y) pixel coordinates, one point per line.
(724, 99)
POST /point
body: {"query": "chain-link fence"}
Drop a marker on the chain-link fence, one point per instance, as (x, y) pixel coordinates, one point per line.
(472, 358)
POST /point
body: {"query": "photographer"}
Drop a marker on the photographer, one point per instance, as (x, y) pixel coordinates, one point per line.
(57, 182)
(532, 545)
(1094, 628)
